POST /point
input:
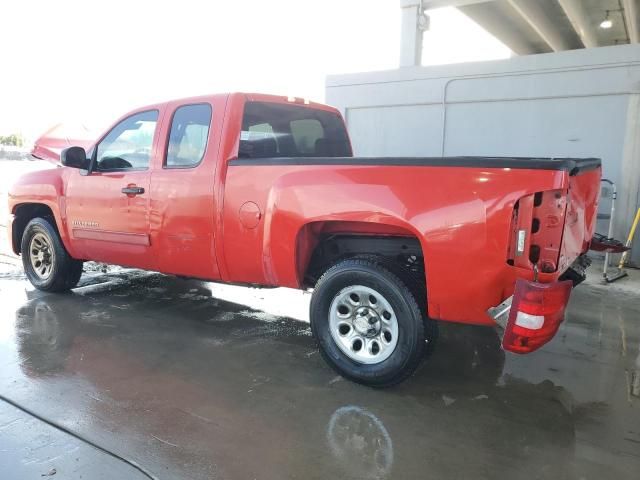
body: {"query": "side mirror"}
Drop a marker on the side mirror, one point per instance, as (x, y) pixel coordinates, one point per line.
(75, 157)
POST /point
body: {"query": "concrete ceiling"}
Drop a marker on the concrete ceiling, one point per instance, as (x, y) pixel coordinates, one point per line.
(539, 26)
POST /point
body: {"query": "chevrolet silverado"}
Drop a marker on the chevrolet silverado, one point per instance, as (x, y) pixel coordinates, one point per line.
(264, 190)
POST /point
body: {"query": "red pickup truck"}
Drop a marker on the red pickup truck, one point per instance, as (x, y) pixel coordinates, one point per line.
(263, 190)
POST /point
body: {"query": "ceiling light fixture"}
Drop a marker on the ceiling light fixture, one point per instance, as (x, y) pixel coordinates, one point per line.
(606, 23)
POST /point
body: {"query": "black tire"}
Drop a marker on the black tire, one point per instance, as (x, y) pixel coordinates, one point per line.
(65, 271)
(409, 350)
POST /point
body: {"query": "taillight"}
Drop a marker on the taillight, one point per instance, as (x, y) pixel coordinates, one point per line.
(537, 310)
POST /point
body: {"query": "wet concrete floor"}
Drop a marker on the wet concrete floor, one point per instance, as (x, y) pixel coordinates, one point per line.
(163, 371)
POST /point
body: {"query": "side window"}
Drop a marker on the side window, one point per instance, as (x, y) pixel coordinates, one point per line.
(128, 145)
(188, 136)
(306, 132)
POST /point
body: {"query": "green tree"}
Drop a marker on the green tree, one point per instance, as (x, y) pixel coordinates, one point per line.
(14, 140)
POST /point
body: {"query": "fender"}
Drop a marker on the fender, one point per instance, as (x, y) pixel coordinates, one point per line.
(293, 212)
(44, 187)
(295, 217)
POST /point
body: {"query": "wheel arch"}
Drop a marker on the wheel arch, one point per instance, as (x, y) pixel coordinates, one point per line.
(23, 213)
(321, 244)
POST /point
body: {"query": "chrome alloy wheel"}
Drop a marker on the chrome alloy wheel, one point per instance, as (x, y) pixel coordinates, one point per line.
(363, 324)
(41, 255)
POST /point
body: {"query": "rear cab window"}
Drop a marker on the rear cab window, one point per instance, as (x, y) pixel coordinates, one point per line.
(276, 130)
(188, 136)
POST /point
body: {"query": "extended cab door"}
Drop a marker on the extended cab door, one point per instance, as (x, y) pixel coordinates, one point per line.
(108, 209)
(183, 205)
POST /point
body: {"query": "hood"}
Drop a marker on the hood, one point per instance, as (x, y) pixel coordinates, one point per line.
(53, 141)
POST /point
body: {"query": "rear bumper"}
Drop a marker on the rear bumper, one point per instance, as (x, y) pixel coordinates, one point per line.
(500, 313)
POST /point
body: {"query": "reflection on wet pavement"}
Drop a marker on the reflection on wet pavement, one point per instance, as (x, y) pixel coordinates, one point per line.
(191, 386)
(359, 441)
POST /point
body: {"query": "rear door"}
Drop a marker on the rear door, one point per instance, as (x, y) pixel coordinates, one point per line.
(107, 209)
(183, 205)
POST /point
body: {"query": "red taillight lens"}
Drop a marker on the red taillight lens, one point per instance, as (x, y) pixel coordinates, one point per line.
(536, 312)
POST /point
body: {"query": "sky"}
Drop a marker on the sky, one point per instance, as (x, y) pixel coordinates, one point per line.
(88, 62)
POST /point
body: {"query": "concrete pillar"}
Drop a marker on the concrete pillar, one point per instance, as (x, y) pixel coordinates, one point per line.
(631, 20)
(411, 34)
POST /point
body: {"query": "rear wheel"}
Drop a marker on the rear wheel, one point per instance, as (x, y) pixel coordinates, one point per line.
(367, 323)
(46, 263)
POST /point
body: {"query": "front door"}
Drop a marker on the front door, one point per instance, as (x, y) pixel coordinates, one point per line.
(108, 209)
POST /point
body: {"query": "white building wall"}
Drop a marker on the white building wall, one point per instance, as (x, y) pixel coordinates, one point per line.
(583, 103)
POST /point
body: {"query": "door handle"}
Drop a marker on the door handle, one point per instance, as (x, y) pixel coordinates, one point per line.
(133, 190)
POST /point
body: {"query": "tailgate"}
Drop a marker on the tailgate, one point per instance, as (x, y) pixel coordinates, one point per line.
(582, 209)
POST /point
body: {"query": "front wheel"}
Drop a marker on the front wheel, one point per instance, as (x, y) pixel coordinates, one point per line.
(46, 263)
(367, 323)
